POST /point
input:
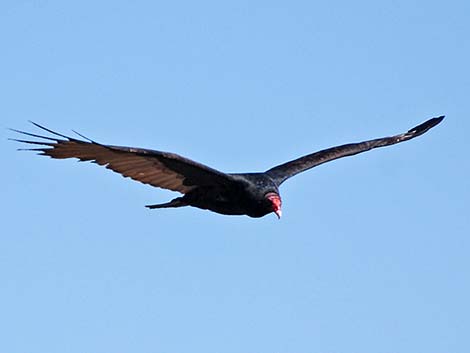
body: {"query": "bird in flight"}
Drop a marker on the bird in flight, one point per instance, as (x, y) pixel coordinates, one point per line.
(251, 194)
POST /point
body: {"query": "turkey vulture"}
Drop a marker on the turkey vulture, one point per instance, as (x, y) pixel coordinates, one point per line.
(251, 194)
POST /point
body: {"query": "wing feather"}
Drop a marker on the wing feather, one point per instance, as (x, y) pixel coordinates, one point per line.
(284, 171)
(156, 168)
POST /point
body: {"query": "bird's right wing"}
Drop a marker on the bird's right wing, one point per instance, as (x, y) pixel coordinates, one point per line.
(284, 171)
(156, 168)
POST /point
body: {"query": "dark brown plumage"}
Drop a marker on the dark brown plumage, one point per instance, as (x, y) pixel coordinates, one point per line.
(252, 194)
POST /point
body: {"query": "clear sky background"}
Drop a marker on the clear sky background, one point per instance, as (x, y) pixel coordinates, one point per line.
(372, 253)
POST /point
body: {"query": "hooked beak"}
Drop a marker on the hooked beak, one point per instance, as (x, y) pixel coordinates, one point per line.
(276, 203)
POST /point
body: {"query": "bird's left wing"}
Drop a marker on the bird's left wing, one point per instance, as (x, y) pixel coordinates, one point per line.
(156, 168)
(284, 171)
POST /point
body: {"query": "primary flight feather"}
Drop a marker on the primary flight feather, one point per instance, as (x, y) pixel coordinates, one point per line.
(252, 194)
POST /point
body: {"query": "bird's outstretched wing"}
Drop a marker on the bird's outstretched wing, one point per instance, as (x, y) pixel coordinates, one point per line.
(156, 168)
(284, 171)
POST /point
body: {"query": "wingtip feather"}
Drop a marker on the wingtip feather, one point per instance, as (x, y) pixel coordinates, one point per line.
(427, 125)
(49, 130)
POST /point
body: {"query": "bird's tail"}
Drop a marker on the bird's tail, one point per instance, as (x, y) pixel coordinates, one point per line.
(178, 202)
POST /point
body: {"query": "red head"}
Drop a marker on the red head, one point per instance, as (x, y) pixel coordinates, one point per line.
(275, 203)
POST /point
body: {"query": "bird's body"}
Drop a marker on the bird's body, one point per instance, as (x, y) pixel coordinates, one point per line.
(245, 195)
(251, 194)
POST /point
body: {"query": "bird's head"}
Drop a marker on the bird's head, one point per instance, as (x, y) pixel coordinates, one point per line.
(276, 203)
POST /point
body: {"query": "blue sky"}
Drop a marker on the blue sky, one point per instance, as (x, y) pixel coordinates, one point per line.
(372, 253)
